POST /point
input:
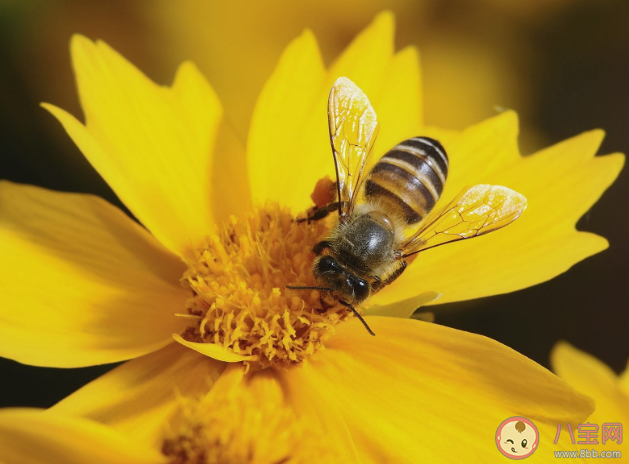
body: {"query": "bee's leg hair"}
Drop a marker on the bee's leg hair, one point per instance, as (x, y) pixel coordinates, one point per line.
(380, 284)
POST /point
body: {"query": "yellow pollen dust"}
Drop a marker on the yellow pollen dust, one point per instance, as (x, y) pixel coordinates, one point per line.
(239, 284)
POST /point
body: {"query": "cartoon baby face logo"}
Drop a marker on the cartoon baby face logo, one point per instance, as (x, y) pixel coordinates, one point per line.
(517, 438)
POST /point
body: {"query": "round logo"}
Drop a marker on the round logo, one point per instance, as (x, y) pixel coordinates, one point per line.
(517, 437)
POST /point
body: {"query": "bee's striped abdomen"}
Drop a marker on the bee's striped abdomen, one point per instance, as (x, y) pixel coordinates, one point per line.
(410, 177)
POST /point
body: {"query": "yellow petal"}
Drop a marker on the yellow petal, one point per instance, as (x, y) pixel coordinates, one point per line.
(399, 102)
(213, 351)
(416, 388)
(28, 436)
(152, 144)
(565, 180)
(593, 378)
(404, 308)
(318, 406)
(85, 284)
(229, 181)
(215, 139)
(479, 151)
(561, 183)
(141, 396)
(288, 138)
(365, 61)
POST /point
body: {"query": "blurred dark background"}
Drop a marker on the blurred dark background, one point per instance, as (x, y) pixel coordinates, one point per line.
(563, 64)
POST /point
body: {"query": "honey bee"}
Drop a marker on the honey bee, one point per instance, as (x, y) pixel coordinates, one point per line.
(386, 217)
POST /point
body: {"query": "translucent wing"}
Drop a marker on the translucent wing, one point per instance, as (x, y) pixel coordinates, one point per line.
(476, 211)
(353, 130)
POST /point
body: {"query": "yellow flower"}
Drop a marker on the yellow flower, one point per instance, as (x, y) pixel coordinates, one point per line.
(89, 286)
(610, 391)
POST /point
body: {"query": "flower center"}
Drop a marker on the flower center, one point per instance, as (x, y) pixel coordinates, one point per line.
(240, 300)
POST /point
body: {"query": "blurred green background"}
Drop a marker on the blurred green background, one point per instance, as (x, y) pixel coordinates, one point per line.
(562, 64)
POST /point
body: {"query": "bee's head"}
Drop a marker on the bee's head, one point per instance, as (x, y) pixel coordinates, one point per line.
(345, 286)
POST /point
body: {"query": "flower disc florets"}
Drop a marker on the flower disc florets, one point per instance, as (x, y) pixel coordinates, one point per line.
(239, 289)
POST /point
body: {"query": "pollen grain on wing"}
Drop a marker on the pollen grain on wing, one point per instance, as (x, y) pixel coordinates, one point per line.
(240, 300)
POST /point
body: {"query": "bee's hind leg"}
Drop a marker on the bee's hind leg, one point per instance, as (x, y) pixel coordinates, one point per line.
(316, 214)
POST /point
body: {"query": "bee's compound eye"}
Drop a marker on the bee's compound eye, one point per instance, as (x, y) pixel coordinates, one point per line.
(328, 264)
(326, 268)
(360, 288)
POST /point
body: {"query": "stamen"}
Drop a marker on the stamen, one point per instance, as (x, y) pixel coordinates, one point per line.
(245, 289)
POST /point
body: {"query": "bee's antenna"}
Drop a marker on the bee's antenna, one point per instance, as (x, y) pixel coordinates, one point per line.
(357, 314)
(347, 305)
(327, 289)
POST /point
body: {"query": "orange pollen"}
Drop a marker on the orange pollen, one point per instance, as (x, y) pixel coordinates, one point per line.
(239, 290)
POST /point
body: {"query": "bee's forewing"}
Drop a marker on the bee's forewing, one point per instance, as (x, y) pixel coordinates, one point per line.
(353, 130)
(476, 211)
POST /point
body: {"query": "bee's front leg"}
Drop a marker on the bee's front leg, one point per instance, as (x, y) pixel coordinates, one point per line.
(376, 284)
(379, 284)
